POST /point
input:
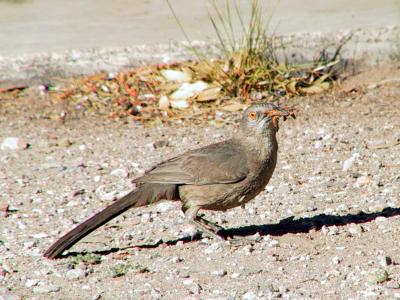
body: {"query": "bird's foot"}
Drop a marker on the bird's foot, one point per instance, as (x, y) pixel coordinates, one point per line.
(211, 225)
(240, 241)
(208, 229)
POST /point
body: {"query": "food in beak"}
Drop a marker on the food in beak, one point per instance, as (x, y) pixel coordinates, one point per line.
(284, 112)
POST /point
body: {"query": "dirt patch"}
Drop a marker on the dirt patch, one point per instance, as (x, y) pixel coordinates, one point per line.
(327, 226)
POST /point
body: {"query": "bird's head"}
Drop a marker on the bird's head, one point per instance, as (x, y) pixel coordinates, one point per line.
(262, 118)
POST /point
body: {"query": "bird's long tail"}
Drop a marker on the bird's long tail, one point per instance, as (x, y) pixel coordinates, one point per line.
(145, 194)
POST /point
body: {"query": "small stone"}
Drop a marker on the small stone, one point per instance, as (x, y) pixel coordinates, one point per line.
(332, 230)
(29, 245)
(378, 276)
(46, 289)
(385, 261)
(189, 231)
(362, 180)
(103, 195)
(75, 274)
(355, 229)
(219, 273)
(5, 294)
(104, 88)
(188, 281)
(248, 249)
(195, 288)
(146, 218)
(160, 144)
(235, 275)
(155, 294)
(381, 222)
(31, 282)
(40, 235)
(342, 208)
(180, 104)
(64, 142)
(249, 296)
(372, 86)
(163, 103)
(273, 243)
(269, 188)
(165, 206)
(212, 248)
(336, 260)
(348, 163)
(97, 296)
(10, 143)
(298, 209)
(78, 192)
(176, 259)
(175, 75)
(283, 189)
(121, 173)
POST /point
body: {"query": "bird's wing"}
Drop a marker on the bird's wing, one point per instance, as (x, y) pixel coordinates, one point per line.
(223, 162)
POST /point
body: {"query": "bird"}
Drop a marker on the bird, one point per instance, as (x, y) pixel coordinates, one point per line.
(215, 177)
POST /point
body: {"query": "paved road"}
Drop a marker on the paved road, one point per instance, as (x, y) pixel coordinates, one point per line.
(34, 26)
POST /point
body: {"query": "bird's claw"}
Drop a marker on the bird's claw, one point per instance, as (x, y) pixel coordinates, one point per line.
(240, 242)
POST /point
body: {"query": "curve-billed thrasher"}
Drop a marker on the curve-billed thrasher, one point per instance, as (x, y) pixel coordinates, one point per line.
(216, 177)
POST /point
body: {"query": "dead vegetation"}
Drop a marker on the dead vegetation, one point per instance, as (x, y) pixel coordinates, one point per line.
(248, 70)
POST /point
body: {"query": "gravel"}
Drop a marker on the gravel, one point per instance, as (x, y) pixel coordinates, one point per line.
(317, 232)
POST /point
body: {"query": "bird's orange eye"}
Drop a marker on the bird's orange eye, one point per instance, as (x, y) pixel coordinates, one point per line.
(252, 115)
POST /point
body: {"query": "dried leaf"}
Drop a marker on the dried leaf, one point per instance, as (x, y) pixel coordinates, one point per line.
(209, 94)
(291, 87)
(315, 89)
(13, 88)
(234, 107)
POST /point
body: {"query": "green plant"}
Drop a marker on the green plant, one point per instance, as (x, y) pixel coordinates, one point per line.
(250, 62)
(87, 258)
(119, 270)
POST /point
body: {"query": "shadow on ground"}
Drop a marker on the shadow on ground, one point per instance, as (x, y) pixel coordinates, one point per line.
(285, 226)
(304, 225)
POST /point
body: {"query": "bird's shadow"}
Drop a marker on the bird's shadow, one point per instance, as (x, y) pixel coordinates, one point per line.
(285, 226)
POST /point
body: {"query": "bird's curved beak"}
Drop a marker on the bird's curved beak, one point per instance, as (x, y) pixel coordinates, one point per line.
(278, 112)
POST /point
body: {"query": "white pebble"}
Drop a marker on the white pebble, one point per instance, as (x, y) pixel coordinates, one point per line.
(335, 260)
(10, 143)
(188, 281)
(211, 249)
(75, 274)
(273, 243)
(248, 249)
(177, 76)
(31, 282)
(269, 188)
(249, 296)
(165, 206)
(121, 173)
(348, 163)
(45, 289)
(163, 103)
(219, 273)
(40, 235)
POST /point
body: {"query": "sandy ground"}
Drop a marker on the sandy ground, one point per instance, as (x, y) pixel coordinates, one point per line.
(317, 232)
(37, 26)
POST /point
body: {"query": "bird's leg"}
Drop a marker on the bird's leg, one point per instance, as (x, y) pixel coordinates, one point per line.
(202, 224)
(215, 227)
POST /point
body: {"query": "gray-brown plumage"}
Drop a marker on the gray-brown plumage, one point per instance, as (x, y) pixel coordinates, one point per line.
(216, 177)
